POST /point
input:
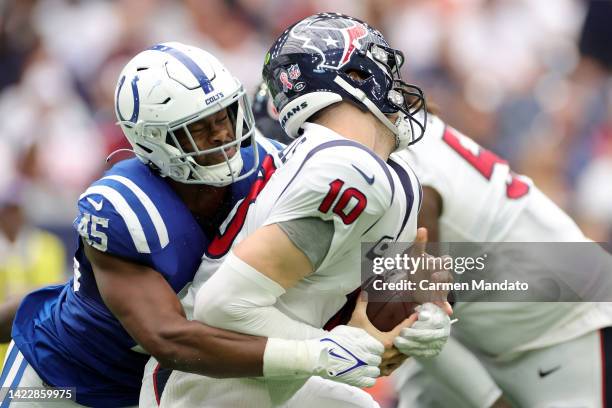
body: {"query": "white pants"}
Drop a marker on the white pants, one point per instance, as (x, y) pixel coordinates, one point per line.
(18, 373)
(566, 375)
(190, 390)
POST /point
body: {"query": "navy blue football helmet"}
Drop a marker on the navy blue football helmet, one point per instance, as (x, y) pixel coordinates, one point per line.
(307, 69)
(266, 116)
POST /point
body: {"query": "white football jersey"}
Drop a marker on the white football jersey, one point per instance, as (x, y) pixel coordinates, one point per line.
(482, 197)
(330, 177)
(484, 201)
(321, 175)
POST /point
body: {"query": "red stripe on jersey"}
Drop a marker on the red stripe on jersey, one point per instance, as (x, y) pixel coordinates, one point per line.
(221, 244)
(155, 372)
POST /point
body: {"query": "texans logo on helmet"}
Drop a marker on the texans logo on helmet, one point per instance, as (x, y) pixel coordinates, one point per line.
(336, 43)
(354, 34)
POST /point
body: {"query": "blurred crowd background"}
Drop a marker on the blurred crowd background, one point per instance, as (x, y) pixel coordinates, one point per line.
(529, 79)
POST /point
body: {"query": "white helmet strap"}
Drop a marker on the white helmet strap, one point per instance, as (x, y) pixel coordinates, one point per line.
(217, 174)
(401, 129)
(363, 98)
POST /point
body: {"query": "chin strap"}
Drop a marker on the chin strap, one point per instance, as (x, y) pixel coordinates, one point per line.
(220, 174)
(363, 98)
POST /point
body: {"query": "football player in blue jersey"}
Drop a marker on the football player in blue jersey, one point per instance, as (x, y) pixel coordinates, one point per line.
(143, 229)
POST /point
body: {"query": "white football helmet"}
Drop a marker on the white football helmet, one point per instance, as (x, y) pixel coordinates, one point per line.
(171, 85)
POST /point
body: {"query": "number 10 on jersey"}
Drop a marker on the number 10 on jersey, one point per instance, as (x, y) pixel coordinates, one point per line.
(340, 209)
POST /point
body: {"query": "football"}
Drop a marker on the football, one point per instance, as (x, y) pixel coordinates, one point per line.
(388, 308)
(386, 315)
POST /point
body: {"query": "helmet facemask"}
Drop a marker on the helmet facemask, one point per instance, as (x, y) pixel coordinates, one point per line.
(402, 99)
(173, 150)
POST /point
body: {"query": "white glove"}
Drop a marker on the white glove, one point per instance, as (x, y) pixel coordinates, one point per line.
(345, 354)
(427, 336)
(349, 355)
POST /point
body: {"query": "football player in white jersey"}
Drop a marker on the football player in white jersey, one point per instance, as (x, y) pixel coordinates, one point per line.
(519, 354)
(290, 252)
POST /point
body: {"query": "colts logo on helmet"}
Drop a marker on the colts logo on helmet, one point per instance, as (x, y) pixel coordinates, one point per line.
(135, 99)
(327, 36)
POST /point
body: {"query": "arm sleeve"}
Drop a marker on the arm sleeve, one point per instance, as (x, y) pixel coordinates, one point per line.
(239, 298)
(311, 235)
(478, 388)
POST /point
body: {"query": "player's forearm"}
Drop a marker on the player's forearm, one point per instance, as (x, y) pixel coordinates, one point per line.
(200, 349)
(194, 347)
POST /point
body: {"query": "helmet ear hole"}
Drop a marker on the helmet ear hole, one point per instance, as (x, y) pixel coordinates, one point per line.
(358, 76)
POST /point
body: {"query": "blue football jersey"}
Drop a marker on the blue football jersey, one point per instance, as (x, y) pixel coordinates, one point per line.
(66, 332)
